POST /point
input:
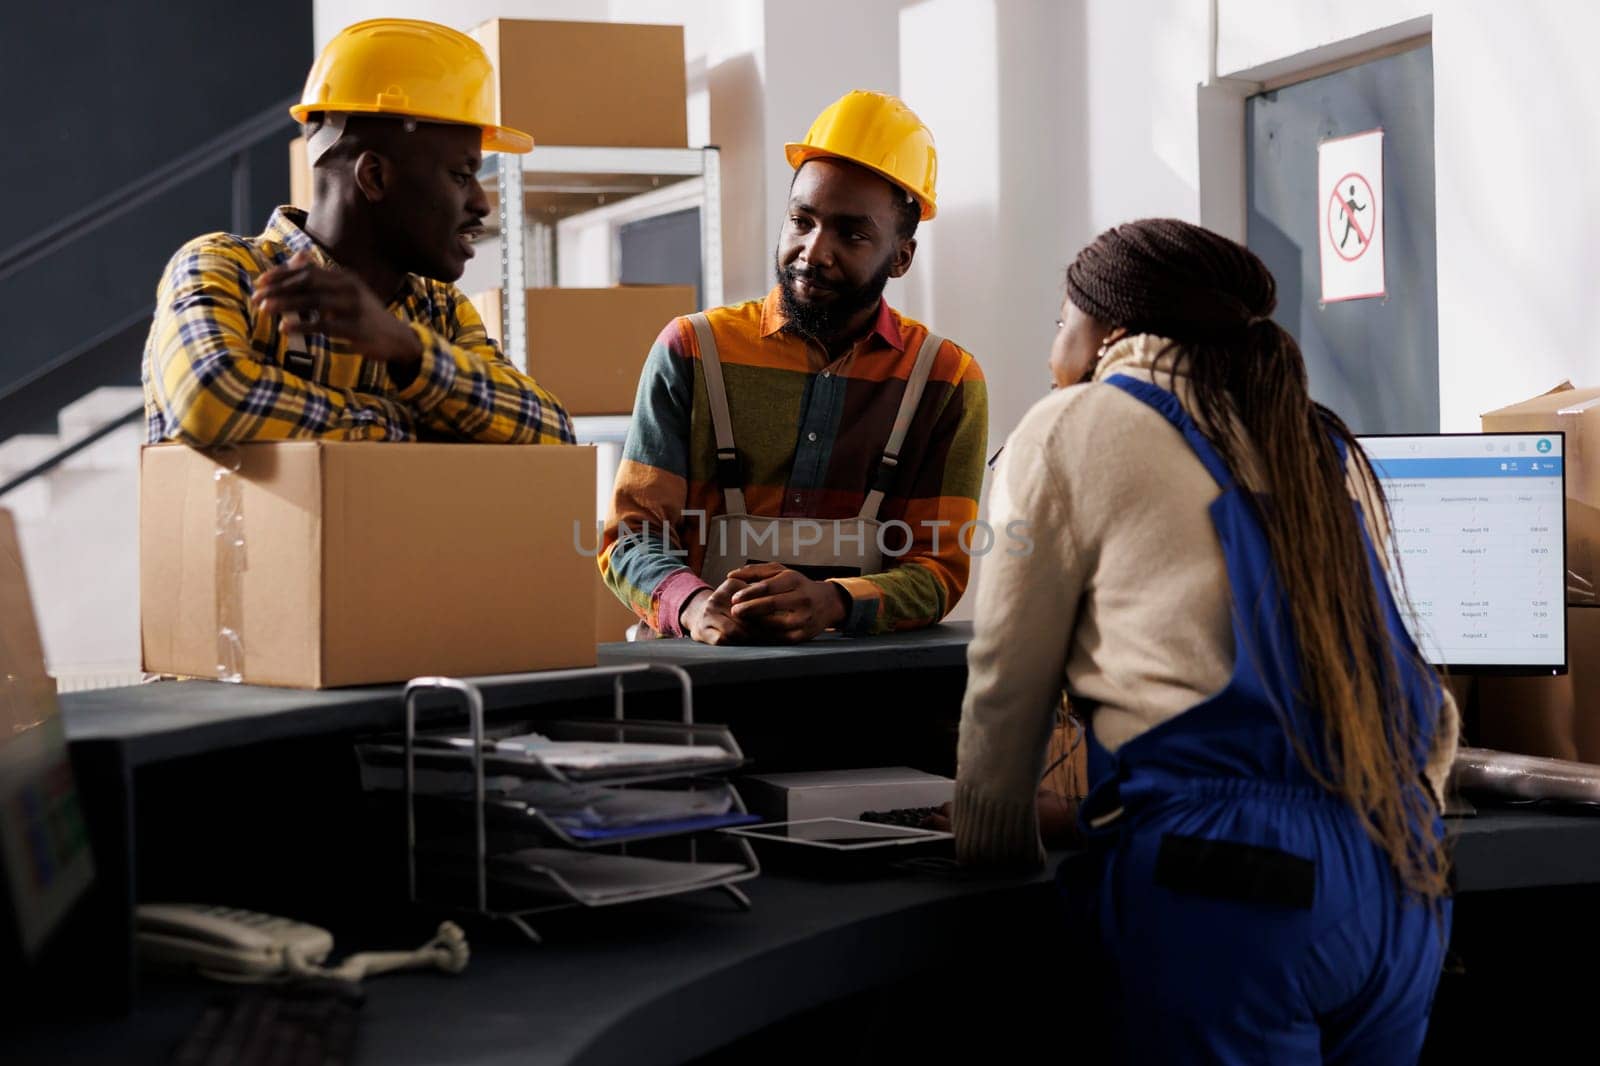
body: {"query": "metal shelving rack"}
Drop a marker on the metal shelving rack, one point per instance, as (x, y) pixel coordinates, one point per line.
(561, 182)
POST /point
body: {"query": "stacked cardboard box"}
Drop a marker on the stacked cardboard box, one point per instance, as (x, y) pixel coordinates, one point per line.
(590, 83)
(588, 345)
(1558, 716)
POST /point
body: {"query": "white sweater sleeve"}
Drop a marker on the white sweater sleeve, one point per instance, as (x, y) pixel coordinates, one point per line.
(1027, 603)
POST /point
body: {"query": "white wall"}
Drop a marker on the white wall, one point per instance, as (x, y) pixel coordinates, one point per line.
(815, 53)
(1012, 201)
(1143, 59)
(1258, 35)
(1517, 155)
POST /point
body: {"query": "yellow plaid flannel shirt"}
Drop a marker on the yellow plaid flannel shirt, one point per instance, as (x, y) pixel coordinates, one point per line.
(217, 371)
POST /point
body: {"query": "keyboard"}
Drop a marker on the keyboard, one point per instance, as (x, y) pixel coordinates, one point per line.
(909, 817)
(312, 1023)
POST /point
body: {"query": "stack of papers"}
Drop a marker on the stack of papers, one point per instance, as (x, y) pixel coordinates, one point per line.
(595, 807)
(594, 756)
(601, 878)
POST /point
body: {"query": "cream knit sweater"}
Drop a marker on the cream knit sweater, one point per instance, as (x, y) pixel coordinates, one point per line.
(1124, 600)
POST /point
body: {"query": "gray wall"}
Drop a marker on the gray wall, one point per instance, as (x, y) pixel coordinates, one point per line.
(98, 94)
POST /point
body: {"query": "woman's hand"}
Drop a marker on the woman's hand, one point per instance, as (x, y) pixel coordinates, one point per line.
(1058, 819)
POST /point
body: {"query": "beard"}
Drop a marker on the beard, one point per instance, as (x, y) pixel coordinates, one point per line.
(824, 322)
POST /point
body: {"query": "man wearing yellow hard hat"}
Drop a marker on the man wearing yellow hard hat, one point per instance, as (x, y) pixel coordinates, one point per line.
(342, 323)
(812, 460)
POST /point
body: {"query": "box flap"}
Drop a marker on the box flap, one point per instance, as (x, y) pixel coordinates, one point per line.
(1563, 395)
(183, 587)
(282, 517)
(27, 693)
(177, 552)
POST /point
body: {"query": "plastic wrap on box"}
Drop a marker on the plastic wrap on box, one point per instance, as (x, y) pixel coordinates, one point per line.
(1525, 777)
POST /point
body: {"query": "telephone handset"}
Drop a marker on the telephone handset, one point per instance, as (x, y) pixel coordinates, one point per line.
(228, 943)
(237, 945)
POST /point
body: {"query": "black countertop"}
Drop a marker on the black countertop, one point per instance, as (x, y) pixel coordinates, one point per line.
(173, 719)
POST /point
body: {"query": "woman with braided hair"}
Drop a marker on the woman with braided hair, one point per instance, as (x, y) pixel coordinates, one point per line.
(1263, 876)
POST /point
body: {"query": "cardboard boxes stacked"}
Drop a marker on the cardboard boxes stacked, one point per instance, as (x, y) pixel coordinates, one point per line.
(588, 345)
(591, 84)
(1558, 716)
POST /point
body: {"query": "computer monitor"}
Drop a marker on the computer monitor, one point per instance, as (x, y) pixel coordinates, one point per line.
(1480, 532)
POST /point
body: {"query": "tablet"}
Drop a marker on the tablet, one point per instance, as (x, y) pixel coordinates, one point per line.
(839, 834)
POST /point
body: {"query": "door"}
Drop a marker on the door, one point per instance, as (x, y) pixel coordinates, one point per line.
(1373, 361)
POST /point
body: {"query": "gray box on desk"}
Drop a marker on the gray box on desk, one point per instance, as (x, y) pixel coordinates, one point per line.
(842, 793)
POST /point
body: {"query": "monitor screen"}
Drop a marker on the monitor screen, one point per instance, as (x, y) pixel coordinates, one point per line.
(1480, 531)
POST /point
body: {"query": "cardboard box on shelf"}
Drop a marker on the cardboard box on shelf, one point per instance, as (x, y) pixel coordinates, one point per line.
(1576, 413)
(1557, 717)
(588, 345)
(590, 83)
(358, 563)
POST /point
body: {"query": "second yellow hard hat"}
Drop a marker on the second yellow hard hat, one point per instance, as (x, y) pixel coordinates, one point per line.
(881, 133)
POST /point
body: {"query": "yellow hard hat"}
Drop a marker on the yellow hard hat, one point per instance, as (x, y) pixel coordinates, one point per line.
(882, 134)
(408, 67)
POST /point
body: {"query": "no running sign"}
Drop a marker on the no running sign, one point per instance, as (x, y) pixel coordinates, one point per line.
(1350, 199)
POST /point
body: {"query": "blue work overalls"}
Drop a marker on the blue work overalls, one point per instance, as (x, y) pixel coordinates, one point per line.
(1236, 909)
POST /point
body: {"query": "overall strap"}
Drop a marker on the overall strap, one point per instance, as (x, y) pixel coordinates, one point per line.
(889, 462)
(730, 475)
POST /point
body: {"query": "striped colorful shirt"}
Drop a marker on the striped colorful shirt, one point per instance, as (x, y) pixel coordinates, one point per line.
(809, 432)
(217, 371)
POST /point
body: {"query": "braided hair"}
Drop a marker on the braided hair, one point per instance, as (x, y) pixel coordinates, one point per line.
(1212, 299)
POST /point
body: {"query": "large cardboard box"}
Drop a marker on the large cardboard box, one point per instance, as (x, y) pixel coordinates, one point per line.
(1558, 717)
(345, 563)
(1575, 412)
(588, 345)
(590, 83)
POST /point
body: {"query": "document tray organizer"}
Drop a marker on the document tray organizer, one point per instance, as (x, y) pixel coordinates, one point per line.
(578, 869)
